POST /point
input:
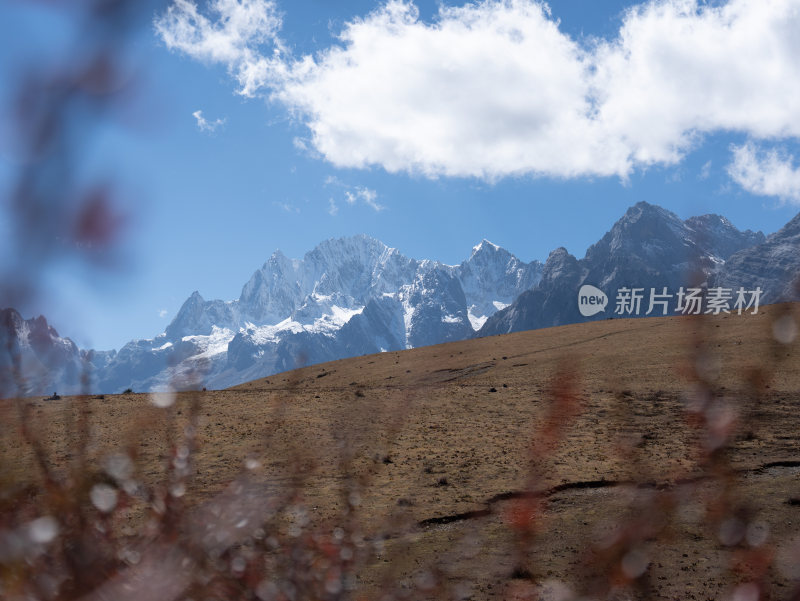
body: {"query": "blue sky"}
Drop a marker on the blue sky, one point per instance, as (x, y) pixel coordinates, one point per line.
(429, 126)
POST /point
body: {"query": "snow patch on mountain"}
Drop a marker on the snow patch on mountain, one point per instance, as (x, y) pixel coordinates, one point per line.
(213, 344)
(476, 321)
(335, 319)
(408, 314)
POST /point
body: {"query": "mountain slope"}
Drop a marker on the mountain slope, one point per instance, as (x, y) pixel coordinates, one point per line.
(648, 248)
(773, 265)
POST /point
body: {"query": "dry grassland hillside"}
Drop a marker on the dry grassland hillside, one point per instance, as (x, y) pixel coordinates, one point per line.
(643, 458)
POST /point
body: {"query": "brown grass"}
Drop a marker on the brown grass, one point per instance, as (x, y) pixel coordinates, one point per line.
(622, 457)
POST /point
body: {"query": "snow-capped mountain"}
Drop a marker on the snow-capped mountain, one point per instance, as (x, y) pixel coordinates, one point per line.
(346, 297)
(354, 296)
(492, 278)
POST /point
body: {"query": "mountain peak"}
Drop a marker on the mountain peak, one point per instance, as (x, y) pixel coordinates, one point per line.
(643, 226)
(485, 246)
(790, 230)
(717, 236)
(645, 209)
(277, 258)
(643, 205)
(354, 240)
(709, 220)
(558, 254)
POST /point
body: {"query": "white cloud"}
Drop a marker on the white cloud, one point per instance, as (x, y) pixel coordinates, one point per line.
(286, 206)
(162, 313)
(679, 69)
(495, 88)
(207, 126)
(705, 170)
(333, 208)
(460, 97)
(363, 195)
(234, 39)
(766, 173)
(353, 195)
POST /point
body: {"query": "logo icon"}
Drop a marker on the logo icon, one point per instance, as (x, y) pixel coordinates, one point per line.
(591, 300)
